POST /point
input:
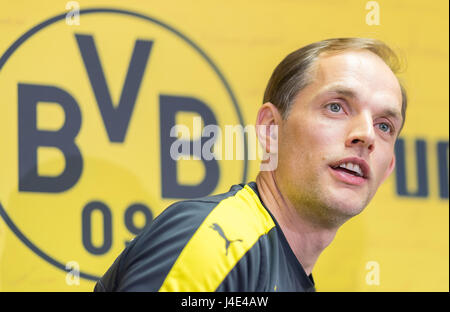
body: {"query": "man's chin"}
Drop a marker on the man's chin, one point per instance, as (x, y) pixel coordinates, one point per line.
(332, 206)
(349, 199)
(339, 209)
(332, 212)
(349, 207)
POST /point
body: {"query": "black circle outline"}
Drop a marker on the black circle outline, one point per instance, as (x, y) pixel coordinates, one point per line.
(57, 18)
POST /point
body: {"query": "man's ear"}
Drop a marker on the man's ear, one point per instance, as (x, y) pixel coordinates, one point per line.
(267, 122)
(389, 169)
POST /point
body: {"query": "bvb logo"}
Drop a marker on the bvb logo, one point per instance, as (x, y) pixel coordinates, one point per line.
(86, 118)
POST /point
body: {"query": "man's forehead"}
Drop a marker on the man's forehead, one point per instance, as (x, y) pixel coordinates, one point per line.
(358, 61)
(354, 73)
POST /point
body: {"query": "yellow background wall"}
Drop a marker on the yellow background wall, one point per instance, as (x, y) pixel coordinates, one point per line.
(199, 49)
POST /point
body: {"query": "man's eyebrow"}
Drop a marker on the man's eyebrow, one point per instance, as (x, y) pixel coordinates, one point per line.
(345, 92)
(341, 90)
(393, 114)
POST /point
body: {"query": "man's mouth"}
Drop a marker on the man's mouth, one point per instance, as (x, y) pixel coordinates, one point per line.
(351, 170)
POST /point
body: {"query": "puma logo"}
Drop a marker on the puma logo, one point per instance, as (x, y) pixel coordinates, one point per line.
(219, 230)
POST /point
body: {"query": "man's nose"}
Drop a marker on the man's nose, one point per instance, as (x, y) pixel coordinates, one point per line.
(361, 133)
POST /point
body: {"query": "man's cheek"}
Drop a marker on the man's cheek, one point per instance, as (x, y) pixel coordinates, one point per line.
(380, 169)
(325, 136)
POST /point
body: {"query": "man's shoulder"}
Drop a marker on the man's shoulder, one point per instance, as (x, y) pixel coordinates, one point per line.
(196, 207)
(226, 234)
(182, 219)
(198, 241)
(241, 201)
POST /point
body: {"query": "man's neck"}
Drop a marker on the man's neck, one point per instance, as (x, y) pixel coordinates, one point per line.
(306, 238)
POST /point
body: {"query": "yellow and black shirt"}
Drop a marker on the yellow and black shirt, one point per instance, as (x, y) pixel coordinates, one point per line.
(226, 242)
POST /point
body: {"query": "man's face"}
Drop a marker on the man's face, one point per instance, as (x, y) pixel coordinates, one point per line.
(337, 144)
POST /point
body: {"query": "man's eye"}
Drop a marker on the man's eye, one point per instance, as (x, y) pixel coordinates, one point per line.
(335, 107)
(384, 127)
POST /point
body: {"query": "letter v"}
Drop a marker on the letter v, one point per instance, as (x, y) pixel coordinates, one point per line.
(115, 119)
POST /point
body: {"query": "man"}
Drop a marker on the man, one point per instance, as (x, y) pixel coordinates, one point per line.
(337, 108)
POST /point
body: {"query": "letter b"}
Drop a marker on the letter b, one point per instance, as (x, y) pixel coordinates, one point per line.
(171, 188)
(30, 138)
